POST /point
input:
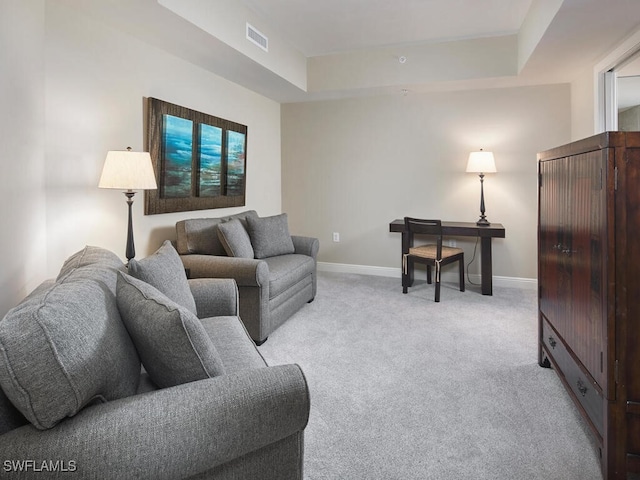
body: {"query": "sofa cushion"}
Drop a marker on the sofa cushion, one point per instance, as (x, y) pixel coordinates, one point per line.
(90, 255)
(235, 239)
(165, 271)
(287, 270)
(66, 347)
(270, 236)
(236, 348)
(242, 216)
(10, 416)
(200, 235)
(172, 343)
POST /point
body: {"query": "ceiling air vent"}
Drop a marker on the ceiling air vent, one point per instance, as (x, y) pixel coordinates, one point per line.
(258, 38)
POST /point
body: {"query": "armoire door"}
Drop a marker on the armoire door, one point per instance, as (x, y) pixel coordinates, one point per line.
(554, 276)
(572, 222)
(585, 251)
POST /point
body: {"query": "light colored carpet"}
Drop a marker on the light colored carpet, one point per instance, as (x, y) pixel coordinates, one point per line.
(406, 388)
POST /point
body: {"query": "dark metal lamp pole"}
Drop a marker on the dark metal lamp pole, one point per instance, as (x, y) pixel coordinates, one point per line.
(481, 162)
(131, 248)
(483, 219)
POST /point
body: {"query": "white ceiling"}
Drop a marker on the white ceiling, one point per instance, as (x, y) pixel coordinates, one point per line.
(580, 34)
(322, 27)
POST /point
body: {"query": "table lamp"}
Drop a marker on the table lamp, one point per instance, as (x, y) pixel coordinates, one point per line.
(481, 162)
(129, 171)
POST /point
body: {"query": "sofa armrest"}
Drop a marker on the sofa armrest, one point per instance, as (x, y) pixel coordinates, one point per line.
(171, 433)
(306, 245)
(247, 272)
(215, 296)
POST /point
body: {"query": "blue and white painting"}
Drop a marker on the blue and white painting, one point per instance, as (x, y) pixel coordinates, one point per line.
(177, 143)
(210, 151)
(235, 163)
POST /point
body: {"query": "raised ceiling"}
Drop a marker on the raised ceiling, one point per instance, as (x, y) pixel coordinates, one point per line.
(336, 48)
(337, 26)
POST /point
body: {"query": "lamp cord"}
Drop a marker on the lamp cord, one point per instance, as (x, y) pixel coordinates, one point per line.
(475, 247)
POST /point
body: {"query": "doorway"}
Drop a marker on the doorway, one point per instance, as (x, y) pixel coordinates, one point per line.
(617, 87)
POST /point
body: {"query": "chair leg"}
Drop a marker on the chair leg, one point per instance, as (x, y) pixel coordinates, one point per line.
(429, 274)
(462, 287)
(437, 290)
(405, 275)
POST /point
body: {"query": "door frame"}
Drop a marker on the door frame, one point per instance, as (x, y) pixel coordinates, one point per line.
(605, 84)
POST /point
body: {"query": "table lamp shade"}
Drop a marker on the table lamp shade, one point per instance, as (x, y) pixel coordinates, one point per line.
(127, 170)
(481, 162)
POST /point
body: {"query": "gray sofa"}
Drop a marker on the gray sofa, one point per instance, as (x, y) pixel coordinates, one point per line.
(75, 401)
(275, 272)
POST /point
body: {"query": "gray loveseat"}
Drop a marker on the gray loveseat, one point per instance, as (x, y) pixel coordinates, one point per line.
(76, 403)
(275, 272)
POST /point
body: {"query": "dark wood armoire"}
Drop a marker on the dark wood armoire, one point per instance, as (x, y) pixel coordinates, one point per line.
(589, 286)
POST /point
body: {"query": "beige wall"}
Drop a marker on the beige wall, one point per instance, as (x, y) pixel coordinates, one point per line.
(351, 166)
(96, 78)
(22, 203)
(583, 105)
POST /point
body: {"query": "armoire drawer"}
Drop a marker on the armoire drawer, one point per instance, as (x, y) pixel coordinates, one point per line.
(584, 390)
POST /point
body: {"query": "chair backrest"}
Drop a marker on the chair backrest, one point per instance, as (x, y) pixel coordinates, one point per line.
(424, 227)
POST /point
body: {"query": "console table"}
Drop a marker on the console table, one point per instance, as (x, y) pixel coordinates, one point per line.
(461, 229)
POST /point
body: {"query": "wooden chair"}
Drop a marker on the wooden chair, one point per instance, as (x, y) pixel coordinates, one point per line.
(433, 255)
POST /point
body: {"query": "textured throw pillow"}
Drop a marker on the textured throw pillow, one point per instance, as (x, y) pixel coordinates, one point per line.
(270, 236)
(65, 347)
(90, 256)
(171, 341)
(235, 239)
(165, 271)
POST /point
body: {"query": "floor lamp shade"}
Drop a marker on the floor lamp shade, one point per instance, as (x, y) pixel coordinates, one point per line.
(129, 171)
(481, 162)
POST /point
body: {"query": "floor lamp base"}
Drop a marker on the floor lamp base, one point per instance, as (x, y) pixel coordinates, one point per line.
(131, 249)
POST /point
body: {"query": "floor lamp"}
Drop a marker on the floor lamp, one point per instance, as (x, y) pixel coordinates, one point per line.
(128, 171)
(481, 162)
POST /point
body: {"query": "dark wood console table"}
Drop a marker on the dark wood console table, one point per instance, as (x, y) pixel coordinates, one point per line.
(462, 229)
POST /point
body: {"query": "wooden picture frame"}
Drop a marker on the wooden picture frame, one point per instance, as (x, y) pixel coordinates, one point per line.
(199, 159)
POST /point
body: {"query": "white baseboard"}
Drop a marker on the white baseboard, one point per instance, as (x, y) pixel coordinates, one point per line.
(359, 269)
(529, 283)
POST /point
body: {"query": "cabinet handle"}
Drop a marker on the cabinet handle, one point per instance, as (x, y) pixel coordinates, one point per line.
(552, 342)
(582, 388)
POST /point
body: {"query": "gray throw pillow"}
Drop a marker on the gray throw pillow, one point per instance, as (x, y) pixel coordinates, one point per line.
(90, 256)
(235, 240)
(270, 236)
(165, 271)
(65, 347)
(171, 341)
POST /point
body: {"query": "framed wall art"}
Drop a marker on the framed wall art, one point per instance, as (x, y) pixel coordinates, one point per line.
(200, 160)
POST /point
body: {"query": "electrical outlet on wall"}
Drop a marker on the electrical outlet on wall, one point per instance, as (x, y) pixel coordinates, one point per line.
(452, 242)
(336, 237)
